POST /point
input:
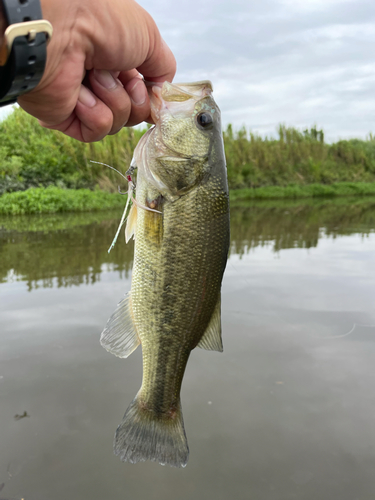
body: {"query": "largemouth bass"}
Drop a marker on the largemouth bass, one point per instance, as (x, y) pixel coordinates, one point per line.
(180, 223)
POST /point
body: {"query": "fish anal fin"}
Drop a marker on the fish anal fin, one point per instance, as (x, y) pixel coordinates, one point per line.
(119, 336)
(131, 223)
(211, 339)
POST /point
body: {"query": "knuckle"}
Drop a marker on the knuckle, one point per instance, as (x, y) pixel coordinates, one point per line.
(103, 123)
(96, 131)
(89, 136)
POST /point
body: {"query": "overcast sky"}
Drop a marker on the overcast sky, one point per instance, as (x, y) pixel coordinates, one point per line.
(298, 62)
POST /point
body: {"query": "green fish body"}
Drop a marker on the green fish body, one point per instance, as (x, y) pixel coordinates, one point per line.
(180, 223)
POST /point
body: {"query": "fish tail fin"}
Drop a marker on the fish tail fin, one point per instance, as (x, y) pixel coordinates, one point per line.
(143, 435)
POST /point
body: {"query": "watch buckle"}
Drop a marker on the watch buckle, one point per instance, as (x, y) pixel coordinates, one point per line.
(29, 29)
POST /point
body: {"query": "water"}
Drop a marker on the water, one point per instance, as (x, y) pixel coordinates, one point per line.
(286, 412)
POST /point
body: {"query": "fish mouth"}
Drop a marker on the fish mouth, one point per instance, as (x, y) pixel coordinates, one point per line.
(172, 97)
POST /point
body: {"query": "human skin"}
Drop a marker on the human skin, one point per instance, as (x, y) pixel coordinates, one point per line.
(109, 45)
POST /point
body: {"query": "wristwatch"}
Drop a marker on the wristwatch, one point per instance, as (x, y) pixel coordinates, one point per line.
(23, 53)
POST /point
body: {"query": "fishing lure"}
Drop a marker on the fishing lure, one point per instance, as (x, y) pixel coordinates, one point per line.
(131, 199)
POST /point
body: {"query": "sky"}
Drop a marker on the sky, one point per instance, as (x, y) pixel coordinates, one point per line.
(297, 62)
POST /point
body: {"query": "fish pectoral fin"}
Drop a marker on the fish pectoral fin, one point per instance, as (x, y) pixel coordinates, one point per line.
(131, 223)
(178, 174)
(119, 336)
(211, 339)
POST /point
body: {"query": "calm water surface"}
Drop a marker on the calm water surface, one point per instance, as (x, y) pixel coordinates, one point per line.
(286, 412)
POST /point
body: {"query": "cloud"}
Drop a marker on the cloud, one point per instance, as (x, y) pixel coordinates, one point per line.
(298, 62)
(312, 5)
(5, 111)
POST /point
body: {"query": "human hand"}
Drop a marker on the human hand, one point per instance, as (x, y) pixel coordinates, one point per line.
(110, 44)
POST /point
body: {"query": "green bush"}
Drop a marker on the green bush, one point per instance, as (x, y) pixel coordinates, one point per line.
(31, 156)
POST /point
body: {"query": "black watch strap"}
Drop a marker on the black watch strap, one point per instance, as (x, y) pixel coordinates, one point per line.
(25, 41)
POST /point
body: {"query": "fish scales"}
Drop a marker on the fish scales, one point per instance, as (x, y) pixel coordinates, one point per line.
(179, 259)
(170, 326)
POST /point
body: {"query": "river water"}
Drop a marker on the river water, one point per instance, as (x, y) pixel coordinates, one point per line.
(286, 412)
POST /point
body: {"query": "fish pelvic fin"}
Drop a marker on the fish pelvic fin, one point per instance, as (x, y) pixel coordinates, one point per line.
(211, 339)
(119, 336)
(144, 435)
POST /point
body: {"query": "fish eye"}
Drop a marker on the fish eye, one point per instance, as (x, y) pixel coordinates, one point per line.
(205, 120)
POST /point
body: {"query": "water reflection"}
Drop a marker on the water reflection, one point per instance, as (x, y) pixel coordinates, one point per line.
(70, 250)
(71, 253)
(286, 412)
(296, 224)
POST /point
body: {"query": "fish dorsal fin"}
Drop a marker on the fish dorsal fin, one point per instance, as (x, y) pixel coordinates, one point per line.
(131, 223)
(184, 91)
(119, 336)
(171, 92)
(211, 339)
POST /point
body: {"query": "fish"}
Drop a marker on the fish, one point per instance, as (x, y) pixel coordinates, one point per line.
(179, 219)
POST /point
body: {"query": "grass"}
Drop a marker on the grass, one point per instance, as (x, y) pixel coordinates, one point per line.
(53, 200)
(308, 191)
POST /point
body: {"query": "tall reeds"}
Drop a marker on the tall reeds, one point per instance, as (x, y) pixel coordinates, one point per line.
(32, 157)
(296, 157)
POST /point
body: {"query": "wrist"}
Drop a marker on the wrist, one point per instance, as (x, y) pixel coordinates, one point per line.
(23, 48)
(68, 44)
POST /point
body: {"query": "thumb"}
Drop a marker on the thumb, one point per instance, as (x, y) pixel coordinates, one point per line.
(160, 63)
